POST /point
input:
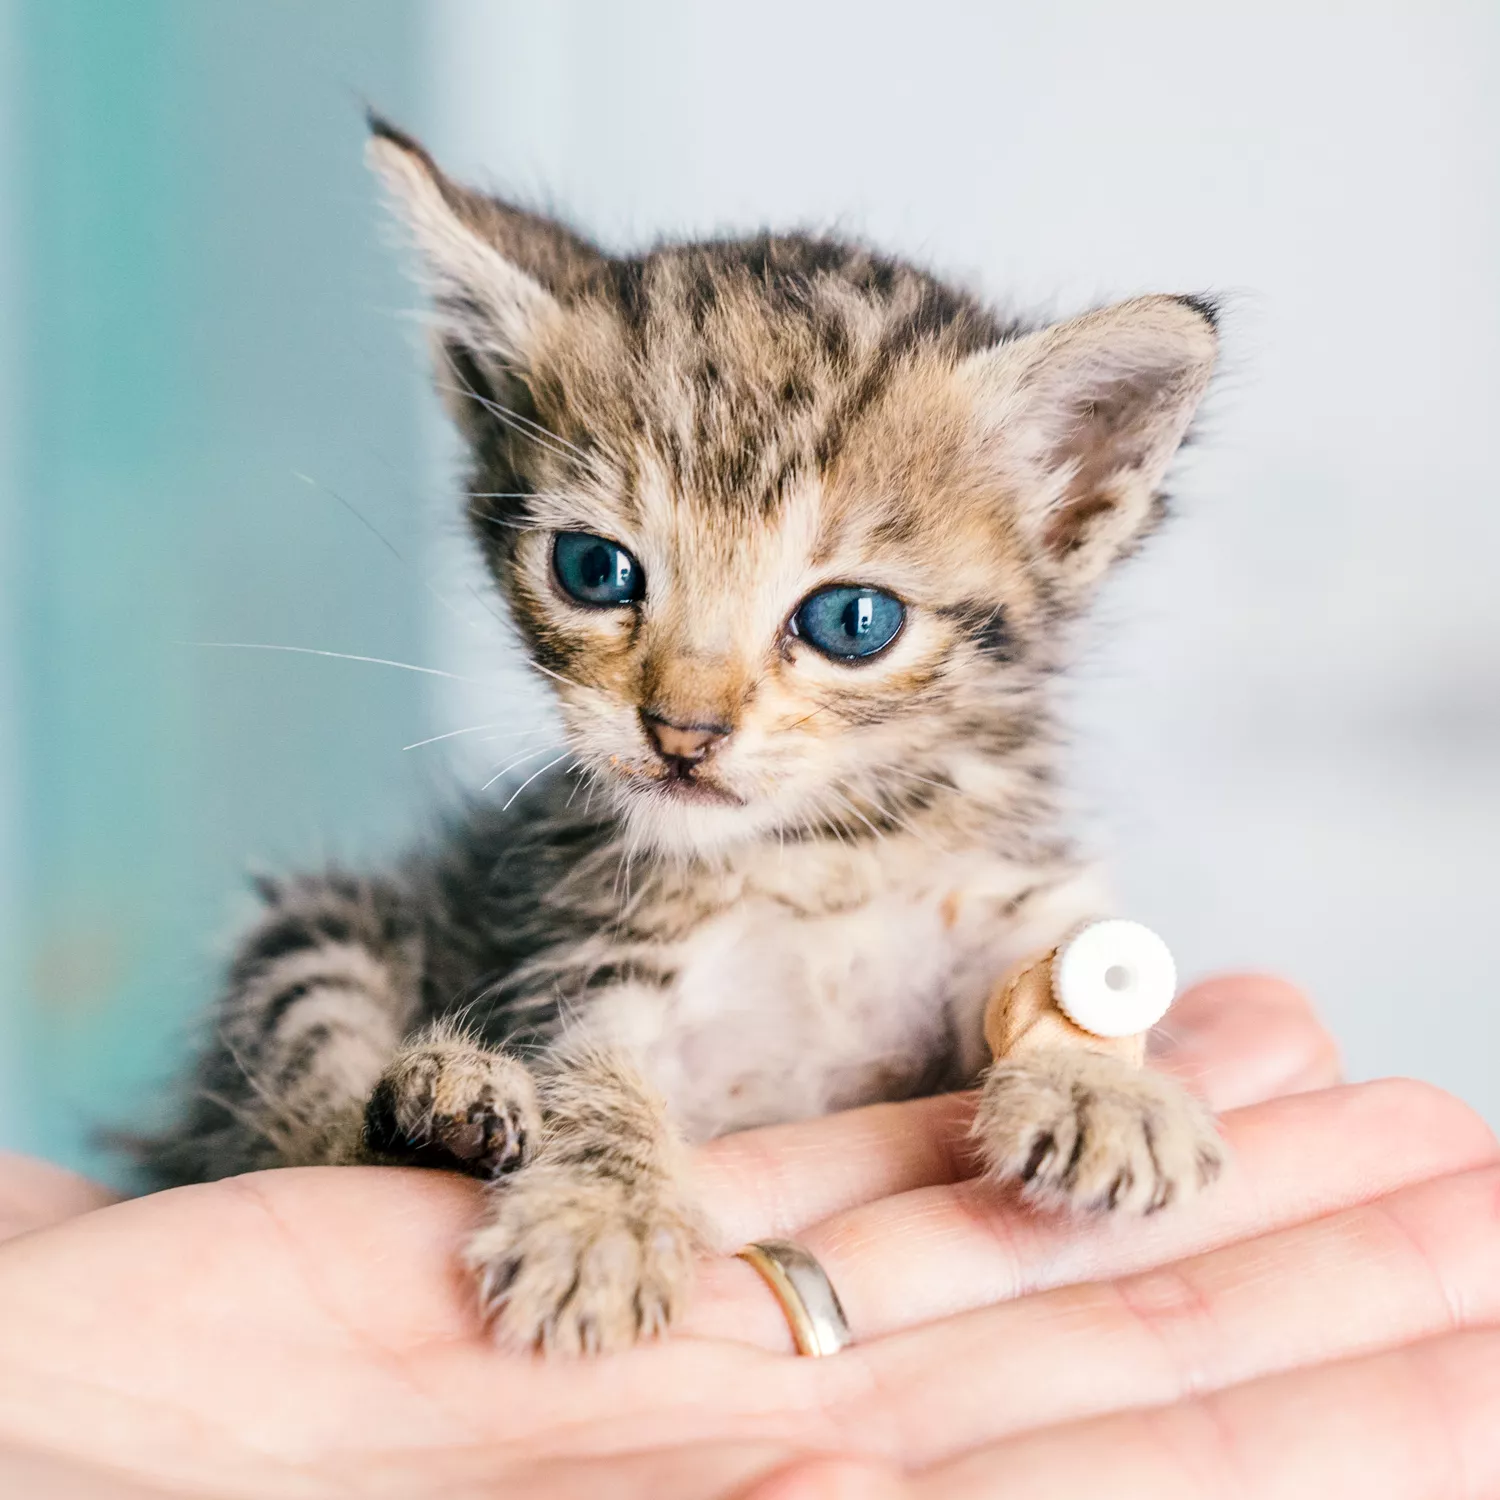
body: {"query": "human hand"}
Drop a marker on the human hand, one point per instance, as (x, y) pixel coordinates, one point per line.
(306, 1332)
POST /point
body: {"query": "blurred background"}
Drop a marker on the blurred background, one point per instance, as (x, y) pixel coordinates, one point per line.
(215, 427)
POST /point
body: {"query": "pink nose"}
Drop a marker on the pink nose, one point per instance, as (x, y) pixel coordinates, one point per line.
(681, 745)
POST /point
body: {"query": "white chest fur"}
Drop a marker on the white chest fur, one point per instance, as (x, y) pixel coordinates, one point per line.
(778, 1014)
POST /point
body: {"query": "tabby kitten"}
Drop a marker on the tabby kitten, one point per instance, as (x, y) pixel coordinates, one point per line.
(796, 533)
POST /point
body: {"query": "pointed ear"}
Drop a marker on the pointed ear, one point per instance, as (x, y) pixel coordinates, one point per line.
(496, 274)
(1085, 418)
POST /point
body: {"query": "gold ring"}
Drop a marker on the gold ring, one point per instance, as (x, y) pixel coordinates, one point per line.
(805, 1293)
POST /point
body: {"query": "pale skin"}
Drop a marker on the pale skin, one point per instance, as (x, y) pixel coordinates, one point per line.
(1326, 1321)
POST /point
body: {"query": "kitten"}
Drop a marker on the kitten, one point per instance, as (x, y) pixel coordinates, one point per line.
(796, 532)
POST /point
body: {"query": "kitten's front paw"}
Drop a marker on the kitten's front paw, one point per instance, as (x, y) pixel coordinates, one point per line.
(576, 1263)
(451, 1103)
(1084, 1130)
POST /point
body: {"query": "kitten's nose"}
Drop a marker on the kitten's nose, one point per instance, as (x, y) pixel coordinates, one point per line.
(682, 746)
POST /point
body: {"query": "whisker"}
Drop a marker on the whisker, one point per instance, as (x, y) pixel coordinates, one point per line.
(906, 825)
(353, 510)
(532, 778)
(520, 495)
(509, 766)
(526, 424)
(554, 442)
(507, 416)
(517, 734)
(508, 525)
(390, 547)
(556, 676)
(819, 819)
(457, 613)
(858, 814)
(377, 661)
(892, 816)
(503, 621)
(946, 786)
(821, 708)
(451, 734)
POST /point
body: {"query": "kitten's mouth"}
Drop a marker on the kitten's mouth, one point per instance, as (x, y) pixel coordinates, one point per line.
(693, 787)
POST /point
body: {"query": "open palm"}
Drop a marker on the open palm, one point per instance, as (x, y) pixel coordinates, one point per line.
(1321, 1323)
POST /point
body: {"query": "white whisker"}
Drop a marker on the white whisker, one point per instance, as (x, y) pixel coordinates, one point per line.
(945, 786)
(451, 734)
(555, 676)
(520, 495)
(571, 795)
(510, 766)
(517, 734)
(508, 525)
(858, 814)
(558, 445)
(378, 661)
(532, 778)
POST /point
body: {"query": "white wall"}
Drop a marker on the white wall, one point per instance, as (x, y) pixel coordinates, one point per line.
(1291, 723)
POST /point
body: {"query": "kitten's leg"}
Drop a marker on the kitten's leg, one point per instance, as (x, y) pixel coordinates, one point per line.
(589, 1246)
(311, 1061)
(318, 996)
(1085, 1129)
(322, 995)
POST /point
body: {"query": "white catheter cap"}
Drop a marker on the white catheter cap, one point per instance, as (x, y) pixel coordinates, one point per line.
(1114, 978)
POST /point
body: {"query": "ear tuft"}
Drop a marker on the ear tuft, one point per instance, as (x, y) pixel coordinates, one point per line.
(1207, 306)
(382, 129)
(1084, 419)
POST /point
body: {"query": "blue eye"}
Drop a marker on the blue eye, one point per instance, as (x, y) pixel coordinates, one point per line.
(845, 622)
(595, 571)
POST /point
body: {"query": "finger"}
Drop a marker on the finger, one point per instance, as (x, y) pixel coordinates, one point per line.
(1405, 1424)
(1241, 1039)
(771, 1182)
(1413, 1265)
(34, 1194)
(936, 1251)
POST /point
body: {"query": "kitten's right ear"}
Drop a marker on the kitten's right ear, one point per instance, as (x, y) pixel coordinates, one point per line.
(496, 274)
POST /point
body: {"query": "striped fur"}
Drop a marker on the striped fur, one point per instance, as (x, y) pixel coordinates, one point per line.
(557, 996)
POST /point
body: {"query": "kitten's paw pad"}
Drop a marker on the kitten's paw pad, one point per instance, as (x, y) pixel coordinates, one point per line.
(451, 1103)
(1083, 1130)
(578, 1264)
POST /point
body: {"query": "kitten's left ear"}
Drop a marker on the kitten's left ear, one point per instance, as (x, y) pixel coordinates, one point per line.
(498, 275)
(1084, 419)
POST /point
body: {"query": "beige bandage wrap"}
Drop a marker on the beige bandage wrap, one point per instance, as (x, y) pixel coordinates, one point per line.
(1028, 1009)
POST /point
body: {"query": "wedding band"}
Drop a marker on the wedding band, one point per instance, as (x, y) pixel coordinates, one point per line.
(805, 1293)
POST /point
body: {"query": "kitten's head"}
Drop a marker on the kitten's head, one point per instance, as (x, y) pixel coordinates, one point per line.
(792, 528)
